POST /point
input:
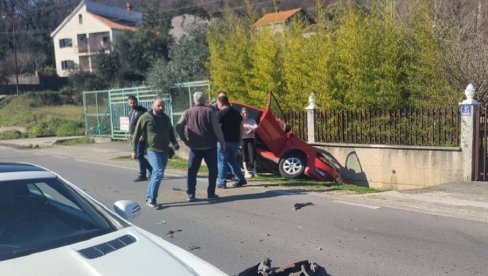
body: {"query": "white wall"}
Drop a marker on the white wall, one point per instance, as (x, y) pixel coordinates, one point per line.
(70, 30)
(397, 168)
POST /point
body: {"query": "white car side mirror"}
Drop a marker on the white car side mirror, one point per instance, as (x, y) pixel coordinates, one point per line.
(127, 209)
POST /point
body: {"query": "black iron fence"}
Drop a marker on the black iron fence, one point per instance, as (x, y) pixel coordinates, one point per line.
(297, 120)
(409, 127)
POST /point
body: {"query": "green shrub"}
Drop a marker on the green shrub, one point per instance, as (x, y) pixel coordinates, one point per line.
(56, 127)
(69, 128)
(83, 81)
(39, 130)
(10, 134)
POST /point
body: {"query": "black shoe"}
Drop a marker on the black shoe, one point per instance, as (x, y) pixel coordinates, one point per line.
(191, 198)
(151, 203)
(140, 178)
(213, 197)
(241, 183)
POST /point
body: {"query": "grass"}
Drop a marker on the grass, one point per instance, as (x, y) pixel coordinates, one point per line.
(313, 184)
(41, 116)
(182, 164)
(19, 112)
(10, 134)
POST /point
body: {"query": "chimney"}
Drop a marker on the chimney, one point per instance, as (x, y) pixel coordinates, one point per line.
(128, 6)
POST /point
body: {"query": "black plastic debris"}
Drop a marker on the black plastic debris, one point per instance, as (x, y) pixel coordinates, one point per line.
(170, 233)
(301, 205)
(302, 268)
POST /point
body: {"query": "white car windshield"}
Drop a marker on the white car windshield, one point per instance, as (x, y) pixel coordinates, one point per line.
(41, 214)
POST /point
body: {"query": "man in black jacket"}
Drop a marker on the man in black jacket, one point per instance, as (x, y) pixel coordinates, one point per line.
(135, 112)
(230, 121)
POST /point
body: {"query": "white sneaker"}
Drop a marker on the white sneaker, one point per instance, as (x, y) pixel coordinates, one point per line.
(253, 173)
(247, 175)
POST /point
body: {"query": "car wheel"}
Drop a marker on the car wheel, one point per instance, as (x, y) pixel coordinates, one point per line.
(292, 166)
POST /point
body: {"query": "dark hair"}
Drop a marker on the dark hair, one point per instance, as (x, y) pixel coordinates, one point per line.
(224, 100)
(222, 92)
(132, 97)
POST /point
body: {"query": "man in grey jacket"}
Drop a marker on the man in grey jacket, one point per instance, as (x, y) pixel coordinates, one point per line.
(199, 129)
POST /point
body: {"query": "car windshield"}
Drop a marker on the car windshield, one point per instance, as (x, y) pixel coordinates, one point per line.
(41, 214)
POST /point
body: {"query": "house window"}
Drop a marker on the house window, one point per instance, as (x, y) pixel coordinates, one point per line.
(67, 64)
(65, 42)
(80, 18)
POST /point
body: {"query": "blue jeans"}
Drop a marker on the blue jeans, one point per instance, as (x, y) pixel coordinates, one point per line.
(158, 162)
(143, 163)
(194, 162)
(228, 158)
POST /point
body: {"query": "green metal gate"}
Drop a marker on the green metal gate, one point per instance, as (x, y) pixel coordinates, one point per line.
(119, 109)
(106, 111)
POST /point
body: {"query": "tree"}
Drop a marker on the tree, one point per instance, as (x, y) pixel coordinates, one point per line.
(34, 21)
(266, 66)
(187, 60)
(149, 47)
(429, 53)
(230, 48)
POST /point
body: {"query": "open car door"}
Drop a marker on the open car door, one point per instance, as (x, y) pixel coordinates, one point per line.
(272, 126)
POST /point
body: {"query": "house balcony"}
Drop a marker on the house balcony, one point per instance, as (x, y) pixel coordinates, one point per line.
(94, 49)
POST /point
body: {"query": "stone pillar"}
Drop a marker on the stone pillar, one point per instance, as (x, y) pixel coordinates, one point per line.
(311, 118)
(469, 109)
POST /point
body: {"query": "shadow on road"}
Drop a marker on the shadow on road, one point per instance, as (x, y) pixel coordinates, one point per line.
(239, 197)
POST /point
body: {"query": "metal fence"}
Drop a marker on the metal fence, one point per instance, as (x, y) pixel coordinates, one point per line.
(297, 120)
(409, 127)
(106, 111)
(181, 96)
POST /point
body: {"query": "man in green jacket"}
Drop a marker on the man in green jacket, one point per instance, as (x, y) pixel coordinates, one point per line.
(156, 127)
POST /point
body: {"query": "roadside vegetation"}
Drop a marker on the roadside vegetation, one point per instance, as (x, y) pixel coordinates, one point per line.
(42, 114)
(276, 180)
(384, 56)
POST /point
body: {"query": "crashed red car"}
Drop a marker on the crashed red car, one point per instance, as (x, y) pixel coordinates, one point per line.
(277, 145)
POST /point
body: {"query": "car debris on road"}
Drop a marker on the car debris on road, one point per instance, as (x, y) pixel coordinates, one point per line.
(301, 205)
(305, 268)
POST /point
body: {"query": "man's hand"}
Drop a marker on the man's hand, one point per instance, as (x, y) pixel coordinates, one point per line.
(133, 155)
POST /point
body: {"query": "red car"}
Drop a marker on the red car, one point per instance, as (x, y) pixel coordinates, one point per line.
(278, 146)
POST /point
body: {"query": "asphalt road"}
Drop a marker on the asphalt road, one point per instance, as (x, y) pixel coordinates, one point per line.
(258, 221)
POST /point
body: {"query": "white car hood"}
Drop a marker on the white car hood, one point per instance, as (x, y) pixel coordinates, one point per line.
(148, 255)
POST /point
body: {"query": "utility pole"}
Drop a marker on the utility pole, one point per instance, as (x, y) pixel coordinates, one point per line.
(11, 20)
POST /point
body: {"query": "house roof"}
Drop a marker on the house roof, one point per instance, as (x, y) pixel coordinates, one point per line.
(111, 24)
(112, 14)
(276, 17)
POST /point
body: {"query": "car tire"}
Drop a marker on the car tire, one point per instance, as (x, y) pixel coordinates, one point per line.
(292, 166)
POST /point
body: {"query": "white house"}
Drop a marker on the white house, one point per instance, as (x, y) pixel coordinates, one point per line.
(88, 30)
